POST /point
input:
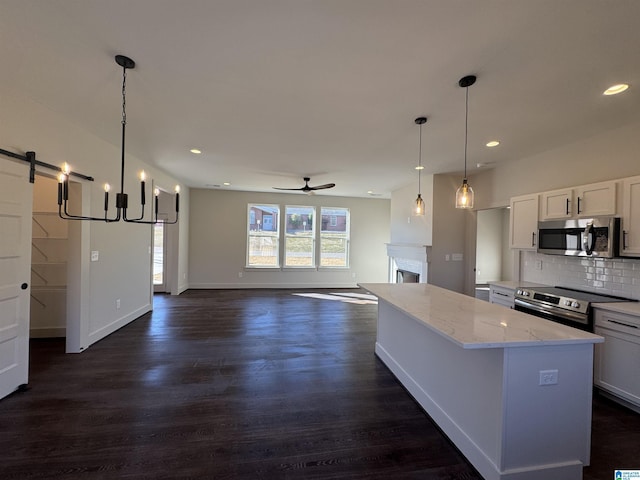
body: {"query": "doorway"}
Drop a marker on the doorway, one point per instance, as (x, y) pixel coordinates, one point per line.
(49, 259)
(160, 256)
(494, 259)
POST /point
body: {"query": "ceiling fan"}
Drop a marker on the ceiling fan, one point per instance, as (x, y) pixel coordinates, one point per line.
(307, 188)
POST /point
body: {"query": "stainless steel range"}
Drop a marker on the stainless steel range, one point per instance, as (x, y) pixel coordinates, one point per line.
(562, 305)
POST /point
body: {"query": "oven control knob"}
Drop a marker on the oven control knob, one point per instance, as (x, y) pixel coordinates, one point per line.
(567, 303)
(519, 292)
(575, 305)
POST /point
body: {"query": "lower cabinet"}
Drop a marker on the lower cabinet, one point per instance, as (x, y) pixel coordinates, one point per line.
(501, 295)
(617, 360)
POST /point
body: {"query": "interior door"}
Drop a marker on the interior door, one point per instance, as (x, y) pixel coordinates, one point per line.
(16, 197)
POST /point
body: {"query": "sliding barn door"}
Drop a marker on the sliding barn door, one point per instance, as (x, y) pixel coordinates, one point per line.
(15, 264)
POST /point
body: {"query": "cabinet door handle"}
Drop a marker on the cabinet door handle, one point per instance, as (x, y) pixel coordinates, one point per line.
(533, 239)
(624, 239)
(628, 325)
(578, 205)
(501, 294)
(567, 212)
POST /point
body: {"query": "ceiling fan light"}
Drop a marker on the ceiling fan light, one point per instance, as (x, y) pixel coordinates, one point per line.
(616, 89)
(464, 195)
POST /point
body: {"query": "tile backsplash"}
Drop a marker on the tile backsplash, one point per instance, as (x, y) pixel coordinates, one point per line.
(614, 276)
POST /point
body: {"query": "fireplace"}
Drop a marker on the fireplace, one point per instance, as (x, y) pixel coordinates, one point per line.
(403, 276)
(407, 263)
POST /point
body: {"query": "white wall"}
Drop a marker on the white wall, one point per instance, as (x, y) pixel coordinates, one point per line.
(406, 228)
(218, 232)
(442, 228)
(124, 267)
(607, 156)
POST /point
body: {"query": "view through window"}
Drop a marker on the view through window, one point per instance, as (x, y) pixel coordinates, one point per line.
(300, 237)
(334, 237)
(302, 232)
(263, 236)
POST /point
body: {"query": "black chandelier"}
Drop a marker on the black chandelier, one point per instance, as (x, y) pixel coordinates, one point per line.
(121, 198)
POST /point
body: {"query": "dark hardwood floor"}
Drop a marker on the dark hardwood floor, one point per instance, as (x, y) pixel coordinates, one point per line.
(235, 384)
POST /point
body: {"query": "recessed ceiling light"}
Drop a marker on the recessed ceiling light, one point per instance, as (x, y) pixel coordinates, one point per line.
(493, 143)
(615, 89)
(420, 167)
(196, 151)
(226, 184)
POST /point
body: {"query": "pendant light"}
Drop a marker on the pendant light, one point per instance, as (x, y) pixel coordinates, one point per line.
(418, 204)
(464, 194)
(122, 202)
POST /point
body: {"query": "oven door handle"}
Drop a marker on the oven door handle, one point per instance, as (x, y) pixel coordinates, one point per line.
(566, 315)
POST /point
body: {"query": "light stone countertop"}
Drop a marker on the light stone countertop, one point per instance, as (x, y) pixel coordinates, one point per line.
(473, 323)
(630, 308)
(513, 284)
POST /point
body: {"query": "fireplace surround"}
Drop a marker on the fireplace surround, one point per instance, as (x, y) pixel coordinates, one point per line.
(406, 259)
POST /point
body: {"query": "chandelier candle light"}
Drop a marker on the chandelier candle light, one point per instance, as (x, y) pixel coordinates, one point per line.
(464, 194)
(121, 198)
(418, 207)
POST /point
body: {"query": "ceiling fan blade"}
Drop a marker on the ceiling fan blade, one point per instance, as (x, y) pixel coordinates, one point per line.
(321, 187)
(307, 188)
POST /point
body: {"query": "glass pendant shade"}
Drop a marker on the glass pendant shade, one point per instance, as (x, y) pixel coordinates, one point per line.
(418, 207)
(464, 195)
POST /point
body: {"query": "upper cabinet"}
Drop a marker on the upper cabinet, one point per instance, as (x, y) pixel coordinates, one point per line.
(594, 200)
(524, 222)
(630, 241)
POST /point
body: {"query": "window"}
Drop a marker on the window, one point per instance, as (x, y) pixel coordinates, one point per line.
(334, 237)
(263, 236)
(300, 234)
(265, 248)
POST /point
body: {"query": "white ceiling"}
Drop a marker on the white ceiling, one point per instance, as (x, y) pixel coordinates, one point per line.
(274, 90)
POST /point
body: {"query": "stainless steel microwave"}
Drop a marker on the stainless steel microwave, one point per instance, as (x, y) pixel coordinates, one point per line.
(584, 237)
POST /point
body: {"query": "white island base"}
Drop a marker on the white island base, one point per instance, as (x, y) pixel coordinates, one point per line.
(477, 370)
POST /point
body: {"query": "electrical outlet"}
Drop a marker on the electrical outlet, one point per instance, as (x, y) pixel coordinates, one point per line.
(117, 304)
(538, 264)
(239, 274)
(95, 255)
(548, 377)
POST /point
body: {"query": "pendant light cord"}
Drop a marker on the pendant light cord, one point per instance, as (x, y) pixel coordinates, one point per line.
(420, 162)
(466, 130)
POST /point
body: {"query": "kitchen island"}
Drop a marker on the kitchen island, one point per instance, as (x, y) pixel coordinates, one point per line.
(511, 390)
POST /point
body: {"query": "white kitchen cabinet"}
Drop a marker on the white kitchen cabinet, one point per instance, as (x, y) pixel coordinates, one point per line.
(556, 205)
(501, 295)
(617, 360)
(593, 200)
(630, 228)
(524, 222)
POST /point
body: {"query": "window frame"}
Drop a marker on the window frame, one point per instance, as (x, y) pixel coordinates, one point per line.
(287, 236)
(347, 237)
(251, 216)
